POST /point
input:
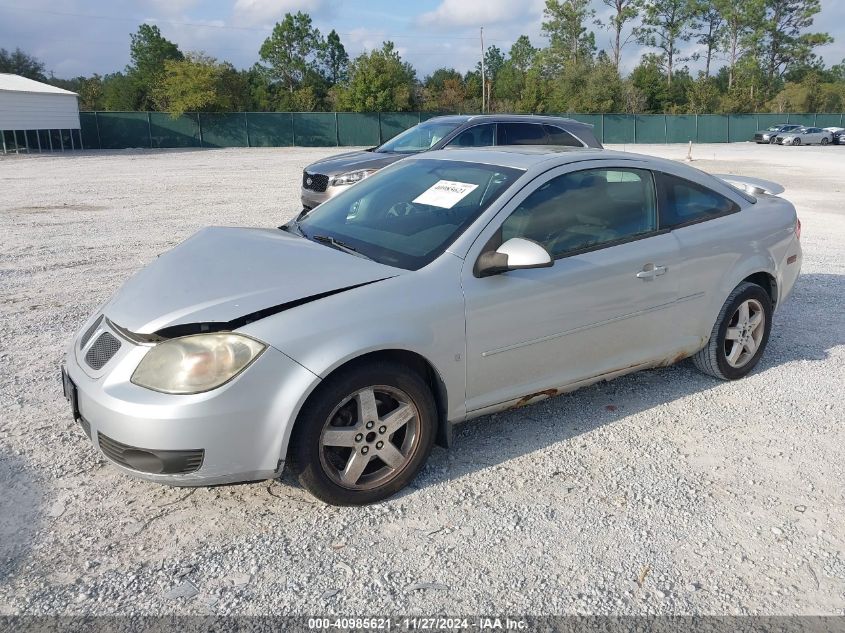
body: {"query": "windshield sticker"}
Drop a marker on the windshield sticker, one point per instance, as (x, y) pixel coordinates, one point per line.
(445, 194)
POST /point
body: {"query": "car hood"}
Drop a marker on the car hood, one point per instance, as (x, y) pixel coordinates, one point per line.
(220, 276)
(351, 161)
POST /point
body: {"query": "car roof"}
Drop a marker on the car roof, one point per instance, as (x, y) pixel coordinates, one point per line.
(529, 157)
(510, 118)
(525, 156)
(450, 118)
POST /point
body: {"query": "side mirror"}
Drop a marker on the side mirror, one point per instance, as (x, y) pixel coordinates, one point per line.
(516, 254)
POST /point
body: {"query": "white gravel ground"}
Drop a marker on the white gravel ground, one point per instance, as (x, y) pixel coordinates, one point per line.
(661, 492)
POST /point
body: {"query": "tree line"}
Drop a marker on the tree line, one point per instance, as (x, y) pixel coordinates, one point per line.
(756, 56)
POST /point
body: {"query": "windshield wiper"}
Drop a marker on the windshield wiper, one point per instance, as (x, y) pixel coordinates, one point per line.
(341, 246)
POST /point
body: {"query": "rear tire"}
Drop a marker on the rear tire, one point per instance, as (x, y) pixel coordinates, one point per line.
(739, 336)
(364, 434)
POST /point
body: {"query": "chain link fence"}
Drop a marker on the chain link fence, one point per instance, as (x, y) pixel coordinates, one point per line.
(122, 130)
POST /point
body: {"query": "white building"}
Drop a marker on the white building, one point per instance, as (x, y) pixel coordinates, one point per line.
(37, 117)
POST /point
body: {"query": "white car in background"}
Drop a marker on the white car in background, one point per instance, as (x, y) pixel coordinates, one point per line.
(806, 136)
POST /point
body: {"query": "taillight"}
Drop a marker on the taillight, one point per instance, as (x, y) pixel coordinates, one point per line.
(798, 228)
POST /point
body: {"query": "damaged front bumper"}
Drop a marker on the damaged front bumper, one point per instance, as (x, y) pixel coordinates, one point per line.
(237, 432)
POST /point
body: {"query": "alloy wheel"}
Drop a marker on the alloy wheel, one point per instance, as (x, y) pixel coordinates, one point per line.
(370, 437)
(745, 333)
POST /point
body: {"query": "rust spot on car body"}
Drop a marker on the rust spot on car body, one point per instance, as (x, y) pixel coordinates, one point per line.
(686, 353)
(677, 358)
(606, 376)
(525, 400)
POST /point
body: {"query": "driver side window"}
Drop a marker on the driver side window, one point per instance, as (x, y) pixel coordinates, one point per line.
(584, 209)
(476, 136)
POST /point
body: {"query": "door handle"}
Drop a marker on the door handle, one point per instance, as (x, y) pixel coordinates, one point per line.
(650, 271)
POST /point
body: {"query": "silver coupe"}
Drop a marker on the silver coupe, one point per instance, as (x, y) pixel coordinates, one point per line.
(445, 287)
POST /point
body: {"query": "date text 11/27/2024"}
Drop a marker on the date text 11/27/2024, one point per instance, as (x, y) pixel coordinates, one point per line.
(418, 623)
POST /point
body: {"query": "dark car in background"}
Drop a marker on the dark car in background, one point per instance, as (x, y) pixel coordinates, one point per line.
(326, 178)
(769, 134)
(838, 135)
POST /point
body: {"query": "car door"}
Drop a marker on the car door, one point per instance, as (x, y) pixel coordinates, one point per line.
(605, 305)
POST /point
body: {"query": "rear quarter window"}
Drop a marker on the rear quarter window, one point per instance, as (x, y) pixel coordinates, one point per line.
(684, 202)
(558, 136)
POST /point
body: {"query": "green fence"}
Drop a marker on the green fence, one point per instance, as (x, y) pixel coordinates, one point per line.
(121, 130)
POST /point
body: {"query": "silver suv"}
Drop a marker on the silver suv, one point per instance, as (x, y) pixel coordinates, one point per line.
(328, 177)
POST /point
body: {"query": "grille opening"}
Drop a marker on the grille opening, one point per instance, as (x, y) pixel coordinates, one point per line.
(319, 182)
(102, 351)
(90, 332)
(152, 461)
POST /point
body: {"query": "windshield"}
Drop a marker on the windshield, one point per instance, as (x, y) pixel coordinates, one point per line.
(419, 138)
(408, 214)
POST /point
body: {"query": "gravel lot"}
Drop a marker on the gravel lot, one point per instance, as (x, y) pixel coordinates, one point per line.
(661, 492)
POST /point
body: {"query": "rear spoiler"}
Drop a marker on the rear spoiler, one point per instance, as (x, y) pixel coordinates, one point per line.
(753, 186)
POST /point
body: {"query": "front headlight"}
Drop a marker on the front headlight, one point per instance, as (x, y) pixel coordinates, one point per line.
(193, 364)
(350, 178)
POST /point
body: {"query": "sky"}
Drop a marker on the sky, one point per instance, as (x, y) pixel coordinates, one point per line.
(81, 37)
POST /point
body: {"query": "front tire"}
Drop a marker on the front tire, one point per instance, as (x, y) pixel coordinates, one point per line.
(825, 141)
(796, 141)
(739, 335)
(364, 434)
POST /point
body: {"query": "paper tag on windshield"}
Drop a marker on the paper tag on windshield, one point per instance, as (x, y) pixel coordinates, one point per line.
(445, 194)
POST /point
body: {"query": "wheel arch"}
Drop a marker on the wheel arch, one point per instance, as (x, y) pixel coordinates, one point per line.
(767, 282)
(758, 269)
(415, 361)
